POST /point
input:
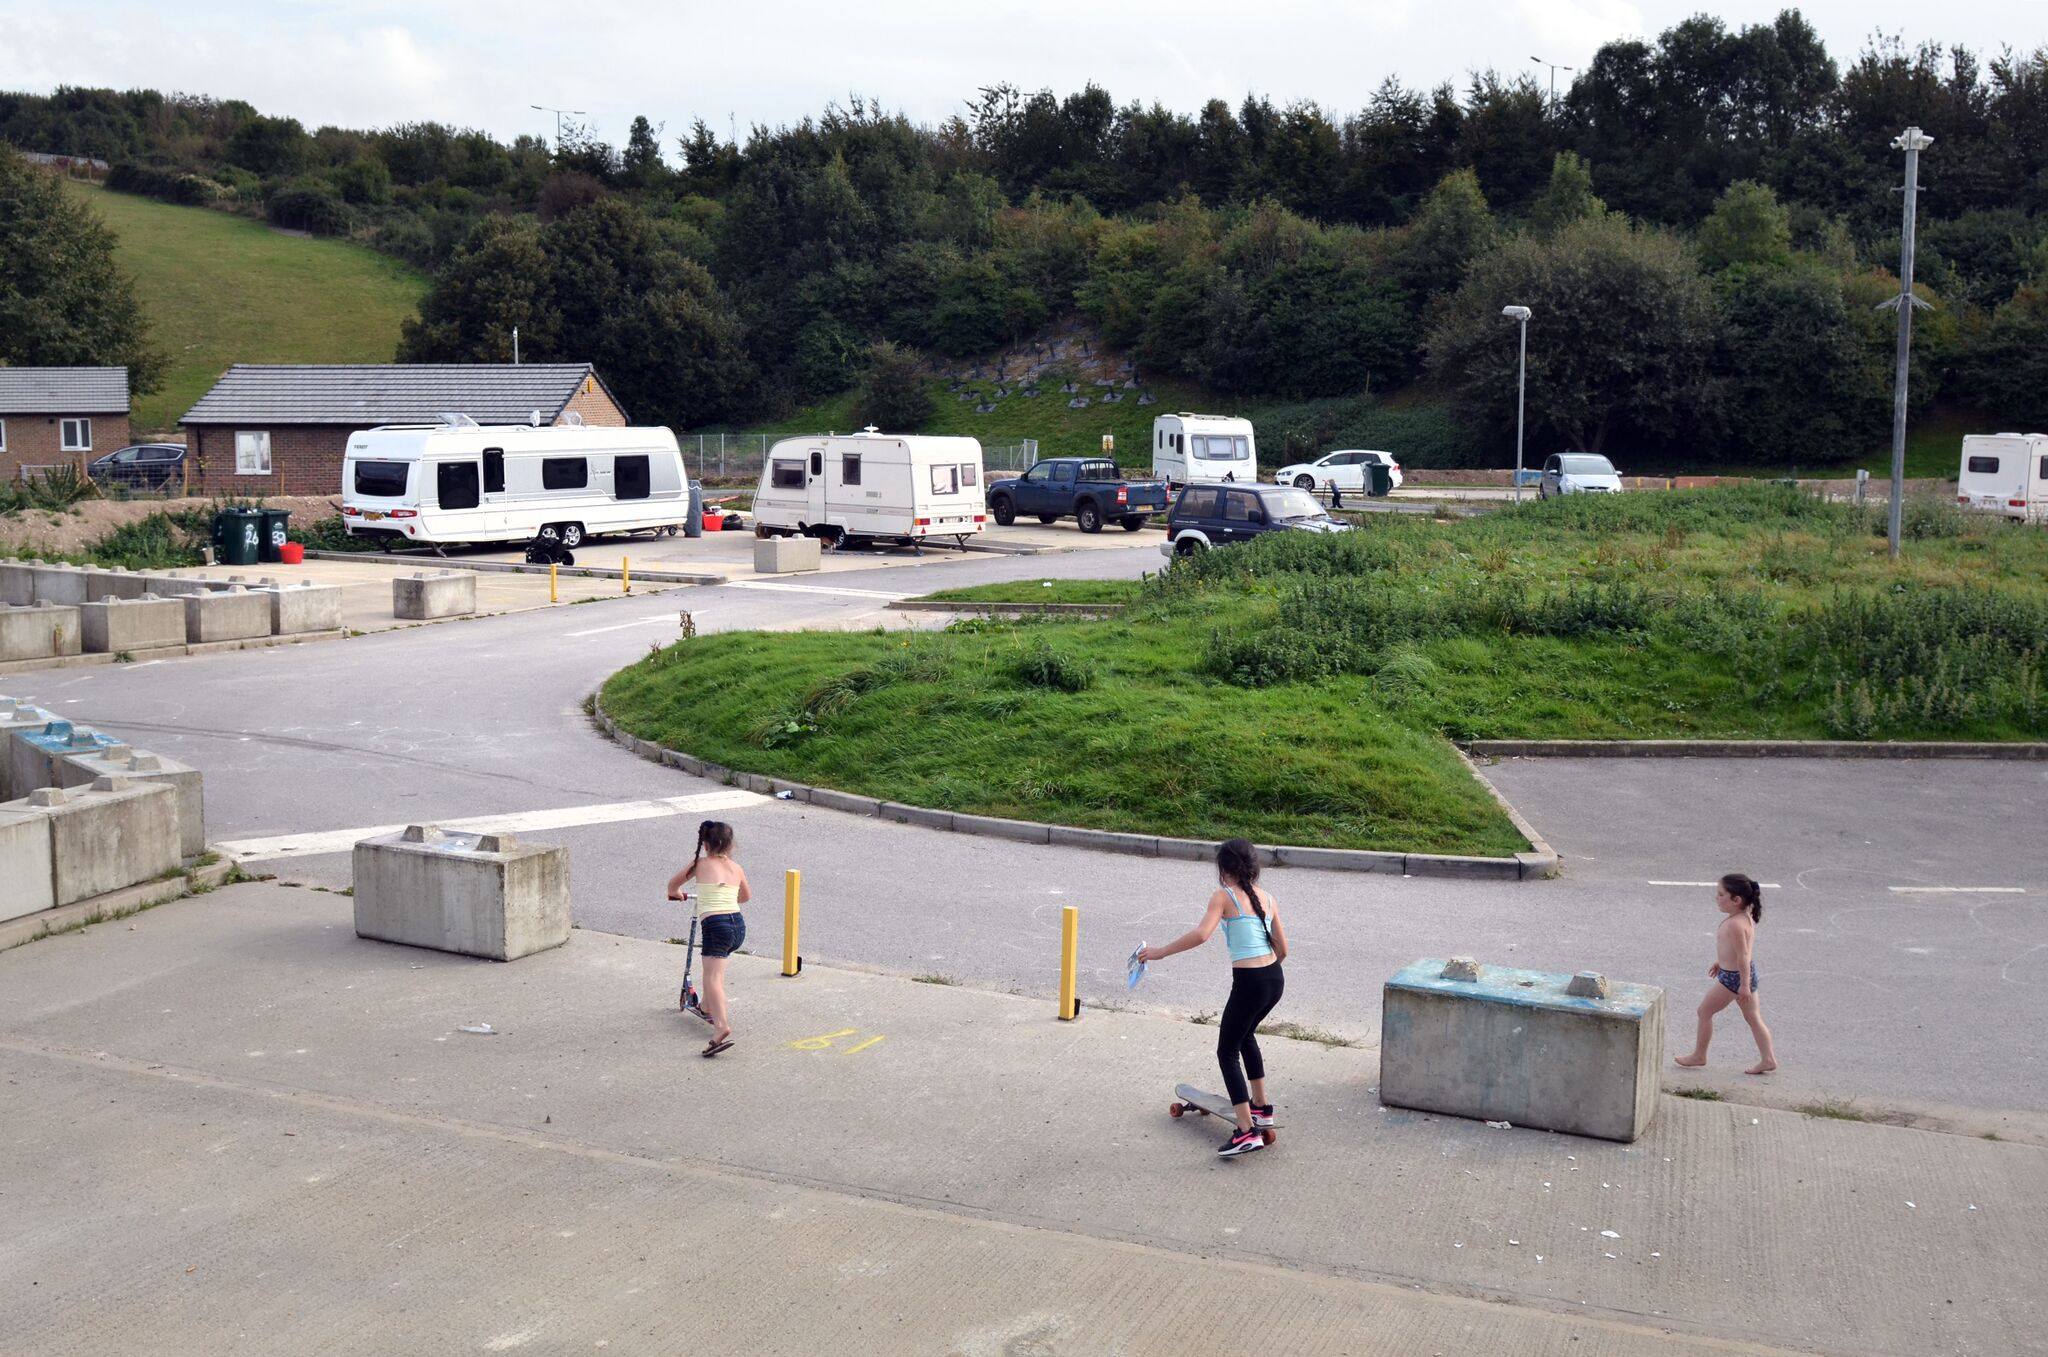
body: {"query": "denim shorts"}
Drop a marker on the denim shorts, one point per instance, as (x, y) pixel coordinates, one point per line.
(722, 934)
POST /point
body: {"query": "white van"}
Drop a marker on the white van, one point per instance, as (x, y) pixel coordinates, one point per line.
(2005, 473)
(871, 487)
(1189, 448)
(459, 481)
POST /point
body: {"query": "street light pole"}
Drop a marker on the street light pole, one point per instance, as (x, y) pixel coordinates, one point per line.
(1519, 313)
(558, 112)
(1912, 141)
(1554, 69)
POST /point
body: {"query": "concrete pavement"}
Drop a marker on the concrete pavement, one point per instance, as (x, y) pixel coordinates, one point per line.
(246, 1130)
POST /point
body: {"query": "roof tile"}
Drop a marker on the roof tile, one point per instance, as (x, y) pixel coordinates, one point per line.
(63, 391)
(365, 394)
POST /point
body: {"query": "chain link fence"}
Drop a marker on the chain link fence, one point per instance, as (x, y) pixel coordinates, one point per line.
(739, 457)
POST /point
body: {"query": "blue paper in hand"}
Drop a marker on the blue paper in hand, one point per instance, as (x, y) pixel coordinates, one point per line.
(1134, 969)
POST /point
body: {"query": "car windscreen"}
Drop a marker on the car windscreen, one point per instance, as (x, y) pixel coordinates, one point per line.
(1586, 465)
(384, 480)
(1283, 505)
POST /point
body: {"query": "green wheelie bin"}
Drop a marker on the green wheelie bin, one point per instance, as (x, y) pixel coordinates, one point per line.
(237, 536)
(1381, 483)
(276, 529)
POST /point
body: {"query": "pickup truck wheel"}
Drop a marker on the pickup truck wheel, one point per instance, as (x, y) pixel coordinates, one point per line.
(1304, 482)
(1187, 546)
(1005, 512)
(1133, 524)
(1088, 517)
(1048, 518)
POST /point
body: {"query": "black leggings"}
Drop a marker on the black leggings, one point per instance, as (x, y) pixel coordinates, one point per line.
(1254, 991)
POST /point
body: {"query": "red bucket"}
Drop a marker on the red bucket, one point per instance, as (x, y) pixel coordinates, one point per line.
(714, 522)
(291, 553)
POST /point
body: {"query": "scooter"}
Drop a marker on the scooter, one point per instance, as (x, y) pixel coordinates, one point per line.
(688, 1000)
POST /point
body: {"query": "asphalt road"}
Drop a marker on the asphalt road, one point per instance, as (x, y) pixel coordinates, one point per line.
(1892, 996)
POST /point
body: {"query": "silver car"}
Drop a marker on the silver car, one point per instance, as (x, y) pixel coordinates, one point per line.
(1578, 473)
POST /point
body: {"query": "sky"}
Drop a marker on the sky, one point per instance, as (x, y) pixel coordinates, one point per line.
(484, 63)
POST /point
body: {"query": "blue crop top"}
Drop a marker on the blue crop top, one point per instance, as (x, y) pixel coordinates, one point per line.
(1247, 935)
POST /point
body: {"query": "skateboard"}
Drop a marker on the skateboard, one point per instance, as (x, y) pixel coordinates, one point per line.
(1188, 1099)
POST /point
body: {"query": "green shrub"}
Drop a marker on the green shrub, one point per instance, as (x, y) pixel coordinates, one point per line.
(1044, 665)
(1270, 655)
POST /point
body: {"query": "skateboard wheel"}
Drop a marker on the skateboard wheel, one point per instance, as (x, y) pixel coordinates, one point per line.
(1174, 1109)
(1270, 1137)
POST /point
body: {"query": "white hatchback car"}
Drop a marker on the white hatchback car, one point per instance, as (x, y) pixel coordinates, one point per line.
(1346, 468)
(1578, 473)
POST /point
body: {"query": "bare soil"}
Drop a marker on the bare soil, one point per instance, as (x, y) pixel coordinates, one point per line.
(73, 530)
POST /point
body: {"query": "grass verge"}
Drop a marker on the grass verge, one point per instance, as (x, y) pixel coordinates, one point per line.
(1042, 591)
(1299, 689)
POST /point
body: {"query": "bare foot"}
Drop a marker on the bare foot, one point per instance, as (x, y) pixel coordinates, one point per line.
(1761, 1068)
(1691, 1062)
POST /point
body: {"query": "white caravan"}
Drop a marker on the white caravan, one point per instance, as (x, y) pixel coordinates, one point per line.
(2005, 473)
(871, 486)
(459, 481)
(1189, 448)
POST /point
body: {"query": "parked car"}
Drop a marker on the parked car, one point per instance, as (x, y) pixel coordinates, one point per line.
(1216, 515)
(1087, 489)
(148, 466)
(1347, 468)
(1578, 473)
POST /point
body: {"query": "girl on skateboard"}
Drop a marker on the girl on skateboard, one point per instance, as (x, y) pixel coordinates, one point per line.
(721, 889)
(1258, 944)
(1733, 972)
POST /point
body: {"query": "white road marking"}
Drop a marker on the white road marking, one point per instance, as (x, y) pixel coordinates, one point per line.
(669, 618)
(1767, 885)
(818, 589)
(515, 822)
(1957, 890)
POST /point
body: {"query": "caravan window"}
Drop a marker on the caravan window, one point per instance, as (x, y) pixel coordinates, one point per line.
(630, 477)
(564, 473)
(1222, 448)
(2044, 468)
(969, 473)
(383, 479)
(1987, 465)
(946, 479)
(455, 485)
(787, 475)
(849, 468)
(494, 471)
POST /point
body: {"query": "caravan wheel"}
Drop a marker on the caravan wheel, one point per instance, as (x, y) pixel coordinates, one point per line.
(572, 534)
(550, 533)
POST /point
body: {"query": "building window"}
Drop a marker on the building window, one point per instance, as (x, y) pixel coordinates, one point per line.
(75, 435)
(252, 452)
(3, 435)
(564, 473)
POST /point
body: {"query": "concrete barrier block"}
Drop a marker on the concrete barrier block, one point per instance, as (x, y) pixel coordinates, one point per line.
(112, 625)
(60, 584)
(178, 586)
(84, 769)
(234, 614)
(25, 865)
(482, 895)
(17, 582)
(1519, 1046)
(105, 837)
(17, 716)
(33, 753)
(299, 608)
(786, 555)
(424, 597)
(114, 582)
(38, 631)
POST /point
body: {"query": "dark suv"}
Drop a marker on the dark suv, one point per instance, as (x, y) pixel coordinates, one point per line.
(142, 466)
(1210, 515)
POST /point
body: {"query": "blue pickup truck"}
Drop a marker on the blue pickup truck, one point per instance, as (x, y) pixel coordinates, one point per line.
(1090, 490)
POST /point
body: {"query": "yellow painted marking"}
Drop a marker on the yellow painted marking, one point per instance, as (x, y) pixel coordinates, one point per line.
(856, 1050)
(822, 1042)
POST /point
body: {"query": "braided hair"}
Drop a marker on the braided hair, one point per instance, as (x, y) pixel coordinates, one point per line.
(1237, 860)
(1748, 892)
(714, 836)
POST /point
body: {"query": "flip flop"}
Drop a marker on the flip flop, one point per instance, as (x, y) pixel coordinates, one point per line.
(715, 1047)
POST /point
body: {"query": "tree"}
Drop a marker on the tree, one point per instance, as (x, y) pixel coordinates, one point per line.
(1786, 321)
(1453, 228)
(1568, 197)
(1621, 347)
(496, 281)
(642, 165)
(63, 301)
(1747, 227)
(894, 394)
(2008, 370)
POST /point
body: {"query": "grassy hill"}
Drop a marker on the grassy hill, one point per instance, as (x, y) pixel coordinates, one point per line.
(221, 289)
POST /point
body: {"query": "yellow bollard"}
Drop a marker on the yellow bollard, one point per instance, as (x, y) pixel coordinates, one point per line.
(792, 887)
(553, 597)
(626, 574)
(1070, 951)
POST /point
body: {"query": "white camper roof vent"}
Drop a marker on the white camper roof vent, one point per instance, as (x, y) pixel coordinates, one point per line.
(455, 419)
(870, 429)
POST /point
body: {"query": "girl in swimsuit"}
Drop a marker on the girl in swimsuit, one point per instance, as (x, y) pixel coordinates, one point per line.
(1734, 972)
(721, 889)
(1251, 926)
